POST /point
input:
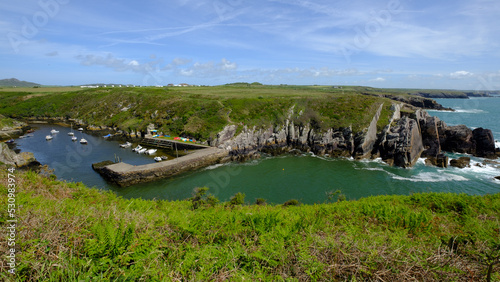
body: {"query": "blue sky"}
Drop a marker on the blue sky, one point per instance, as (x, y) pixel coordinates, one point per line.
(389, 43)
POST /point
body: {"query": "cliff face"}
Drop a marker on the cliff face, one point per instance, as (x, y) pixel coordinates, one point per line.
(401, 143)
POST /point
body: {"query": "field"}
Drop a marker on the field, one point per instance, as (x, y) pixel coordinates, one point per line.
(201, 112)
(67, 231)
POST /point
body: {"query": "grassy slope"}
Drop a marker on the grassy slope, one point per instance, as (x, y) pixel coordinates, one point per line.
(67, 231)
(201, 112)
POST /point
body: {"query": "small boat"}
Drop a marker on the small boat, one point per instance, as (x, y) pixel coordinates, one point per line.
(107, 136)
(48, 137)
(164, 158)
(9, 141)
(126, 145)
(80, 129)
(71, 133)
(136, 149)
(158, 159)
(151, 151)
(83, 141)
(53, 131)
(142, 151)
(74, 138)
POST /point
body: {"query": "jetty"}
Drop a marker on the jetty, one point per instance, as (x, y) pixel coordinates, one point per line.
(124, 174)
(171, 144)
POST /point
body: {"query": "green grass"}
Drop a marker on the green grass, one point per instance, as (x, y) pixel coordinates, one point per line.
(201, 112)
(67, 231)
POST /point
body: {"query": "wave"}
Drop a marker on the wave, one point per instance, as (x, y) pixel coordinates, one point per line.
(431, 177)
(470, 111)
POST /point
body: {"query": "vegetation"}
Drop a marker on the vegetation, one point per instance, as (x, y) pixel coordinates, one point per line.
(5, 122)
(67, 231)
(200, 112)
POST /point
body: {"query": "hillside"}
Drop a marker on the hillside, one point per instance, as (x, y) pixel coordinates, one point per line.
(11, 82)
(199, 112)
(70, 232)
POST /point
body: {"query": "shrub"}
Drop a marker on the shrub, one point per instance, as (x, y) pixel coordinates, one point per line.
(260, 201)
(292, 202)
(238, 199)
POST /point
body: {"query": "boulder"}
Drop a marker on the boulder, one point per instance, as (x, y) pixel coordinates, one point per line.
(439, 161)
(485, 144)
(461, 162)
(497, 178)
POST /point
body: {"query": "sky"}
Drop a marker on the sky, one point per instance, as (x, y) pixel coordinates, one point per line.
(388, 43)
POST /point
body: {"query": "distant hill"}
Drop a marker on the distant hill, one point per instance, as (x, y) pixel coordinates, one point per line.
(16, 82)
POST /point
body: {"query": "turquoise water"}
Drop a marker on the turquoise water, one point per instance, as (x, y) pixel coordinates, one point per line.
(308, 178)
(304, 177)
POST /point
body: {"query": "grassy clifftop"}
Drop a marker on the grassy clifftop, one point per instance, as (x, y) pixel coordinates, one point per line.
(201, 112)
(70, 232)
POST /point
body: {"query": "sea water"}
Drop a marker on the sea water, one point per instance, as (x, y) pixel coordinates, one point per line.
(305, 177)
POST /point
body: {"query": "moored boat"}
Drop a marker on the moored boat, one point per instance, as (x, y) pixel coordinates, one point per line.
(158, 159)
(151, 151)
(9, 141)
(53, 131)
(136, 149)
(126, 145)
(74, 138)
(48, 137)
(83, 141)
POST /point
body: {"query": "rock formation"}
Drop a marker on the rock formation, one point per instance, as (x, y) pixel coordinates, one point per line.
(406, 138)
(7, 156)
(461, 162)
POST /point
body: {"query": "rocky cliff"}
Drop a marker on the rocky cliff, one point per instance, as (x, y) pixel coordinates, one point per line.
(408, 137)
(7, 156)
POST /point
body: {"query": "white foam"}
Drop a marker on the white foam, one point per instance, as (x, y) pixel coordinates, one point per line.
(214, 166)
(497, 144)
(470, 111)
(431, 177)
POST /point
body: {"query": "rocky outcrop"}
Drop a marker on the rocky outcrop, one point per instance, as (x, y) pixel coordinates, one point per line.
(366, 140)
(403, 143)
(7, 156)
(416, 101)
(430, 134)
(12, 131)
(461, 162)
(485, 144)
(457, 139)
(440, 160)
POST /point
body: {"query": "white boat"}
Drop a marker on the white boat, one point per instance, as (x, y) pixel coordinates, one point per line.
(164, 158)
(136, 149)
(126, 145)
(74, 138)
(53, 131)
(83, 141)
(80, 129)
(151, 151)
(158, 159)
(48, 137)
(142, 151)
(71, 133)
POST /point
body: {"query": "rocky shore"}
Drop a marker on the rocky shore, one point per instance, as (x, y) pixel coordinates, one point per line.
(408, 137)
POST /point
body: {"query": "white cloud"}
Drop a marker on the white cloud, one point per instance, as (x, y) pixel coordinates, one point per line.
(461, 74)
(378, 79)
